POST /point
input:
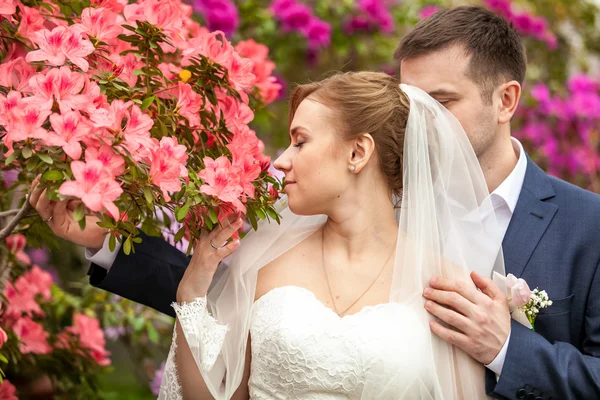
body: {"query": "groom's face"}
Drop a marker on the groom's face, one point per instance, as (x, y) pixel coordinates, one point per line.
(444, 75)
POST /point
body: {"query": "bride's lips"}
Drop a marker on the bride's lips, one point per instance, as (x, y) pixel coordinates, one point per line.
(288, 183)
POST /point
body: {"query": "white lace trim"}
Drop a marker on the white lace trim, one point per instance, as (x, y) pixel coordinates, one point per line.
(204, 336)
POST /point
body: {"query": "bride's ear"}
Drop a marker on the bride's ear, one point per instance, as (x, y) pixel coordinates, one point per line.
(362, 149)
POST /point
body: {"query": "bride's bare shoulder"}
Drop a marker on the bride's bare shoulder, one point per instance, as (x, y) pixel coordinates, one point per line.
(291, 268)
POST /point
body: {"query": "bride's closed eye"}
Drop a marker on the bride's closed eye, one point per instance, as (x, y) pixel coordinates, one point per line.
(298, 145)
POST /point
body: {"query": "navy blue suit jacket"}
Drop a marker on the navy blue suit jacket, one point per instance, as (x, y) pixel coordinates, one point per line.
(553, 242)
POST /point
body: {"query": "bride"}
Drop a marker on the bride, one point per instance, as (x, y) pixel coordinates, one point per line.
(383, 191)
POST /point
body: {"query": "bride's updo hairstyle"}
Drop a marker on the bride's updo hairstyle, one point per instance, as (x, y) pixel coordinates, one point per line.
(365, 102)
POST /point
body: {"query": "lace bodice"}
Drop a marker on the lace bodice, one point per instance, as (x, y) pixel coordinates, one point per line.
(303, 350)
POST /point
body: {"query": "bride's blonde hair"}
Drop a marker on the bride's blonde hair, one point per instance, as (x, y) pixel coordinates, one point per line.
(365, 102)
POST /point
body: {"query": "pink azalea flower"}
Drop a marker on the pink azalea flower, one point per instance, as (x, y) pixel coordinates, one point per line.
(40, 282)
(16, 74)
(7, 8)
(240, 75)
(32, 337)
(237, 114)
(16, 244)
(69, 130)
(112, 5)
(222, 181)
(60, 44)
(10, 107)
(94, 185)
(60, 85)
(189, 103)
(110, 117)
(137, 131)
(112, 162)
(3, 339)
(168, 166)
(21, 300)
(7, 391)
(165, 14)
(31, 22)
(91, 337)
(27, 125)
(101, 23)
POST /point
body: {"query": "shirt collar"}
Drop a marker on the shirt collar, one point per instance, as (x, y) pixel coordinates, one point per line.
(510, 189)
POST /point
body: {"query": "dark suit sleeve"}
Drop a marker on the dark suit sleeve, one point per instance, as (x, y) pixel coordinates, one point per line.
(556, 370)
(149, 276)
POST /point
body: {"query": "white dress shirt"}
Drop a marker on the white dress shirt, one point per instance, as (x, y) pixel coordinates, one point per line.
(504, 199)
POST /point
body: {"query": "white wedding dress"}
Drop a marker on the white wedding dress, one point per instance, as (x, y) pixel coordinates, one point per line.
(302, 349)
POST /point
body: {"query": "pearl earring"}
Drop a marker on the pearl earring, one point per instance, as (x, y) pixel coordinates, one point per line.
(351, 168)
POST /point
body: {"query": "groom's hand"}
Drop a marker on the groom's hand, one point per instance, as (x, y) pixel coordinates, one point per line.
(479, 321)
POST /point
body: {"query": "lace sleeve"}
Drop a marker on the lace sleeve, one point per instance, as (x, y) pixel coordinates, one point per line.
(204, 336)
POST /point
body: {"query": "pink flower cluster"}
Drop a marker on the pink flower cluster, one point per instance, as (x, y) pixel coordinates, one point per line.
(7, 391)
(55, 98)
(87, 332)
(23, 299)
(297, 17)
(563, 129)
(266, 83)
(372, 15)
(526, 24)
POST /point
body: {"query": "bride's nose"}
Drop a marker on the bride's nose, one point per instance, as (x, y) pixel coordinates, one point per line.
(284, 161)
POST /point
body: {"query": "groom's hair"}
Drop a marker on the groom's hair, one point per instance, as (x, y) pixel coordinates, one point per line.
(494, 45)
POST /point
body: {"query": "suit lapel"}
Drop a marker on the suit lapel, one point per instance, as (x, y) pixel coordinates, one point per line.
(530, 220)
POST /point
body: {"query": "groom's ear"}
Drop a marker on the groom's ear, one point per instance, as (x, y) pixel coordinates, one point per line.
(362, 150)
(509, 94)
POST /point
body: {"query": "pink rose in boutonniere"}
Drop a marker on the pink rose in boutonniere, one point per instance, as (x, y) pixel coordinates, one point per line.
(524, 304)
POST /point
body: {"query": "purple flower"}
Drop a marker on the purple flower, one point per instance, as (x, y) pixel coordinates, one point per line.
(114, 332)
(318, 33)
(280, 6)
(501, 7)
(582, 83)
(220, 15)
(39, 256)
(296, 17)
(10, 177)
(428, 11)
(523, 23)
(357, 23)
(156, 381)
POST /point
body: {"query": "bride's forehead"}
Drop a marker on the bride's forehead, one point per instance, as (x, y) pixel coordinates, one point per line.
(312, 114)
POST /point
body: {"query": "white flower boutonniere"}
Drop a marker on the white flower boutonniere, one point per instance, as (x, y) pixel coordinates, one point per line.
(524, 304)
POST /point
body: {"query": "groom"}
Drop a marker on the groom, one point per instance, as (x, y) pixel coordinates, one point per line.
(474, 63)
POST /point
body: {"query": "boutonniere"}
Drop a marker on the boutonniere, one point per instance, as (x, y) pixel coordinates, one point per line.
(524, 304)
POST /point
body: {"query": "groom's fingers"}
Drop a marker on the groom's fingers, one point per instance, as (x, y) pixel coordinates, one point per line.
(449, 316)
(450, 299)
(465, 289)
(449, 335)
(487, 286)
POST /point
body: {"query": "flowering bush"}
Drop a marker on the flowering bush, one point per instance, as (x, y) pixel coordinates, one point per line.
(132, 108)
(563, 129)
(46, 333)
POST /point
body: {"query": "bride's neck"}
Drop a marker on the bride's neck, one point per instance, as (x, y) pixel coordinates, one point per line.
(362, 225)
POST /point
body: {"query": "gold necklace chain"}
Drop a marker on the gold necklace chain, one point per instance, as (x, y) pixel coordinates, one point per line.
(327, 276)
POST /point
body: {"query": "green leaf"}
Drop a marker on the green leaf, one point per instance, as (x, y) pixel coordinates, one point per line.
(112, 243)
(12, 157)
(181, 213)
(138, 72)
(52, 175)
(46, 158)
(252, 218)
(137, 323)
(152, 333)
(79, 212)
(148, 195)
(127, 246)
(27, 153)
(179, 234)
(147, 102)
(3, 359)
(273, 214)
(261, 214)
(82, 224)
(32, 164)
(213, 216)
